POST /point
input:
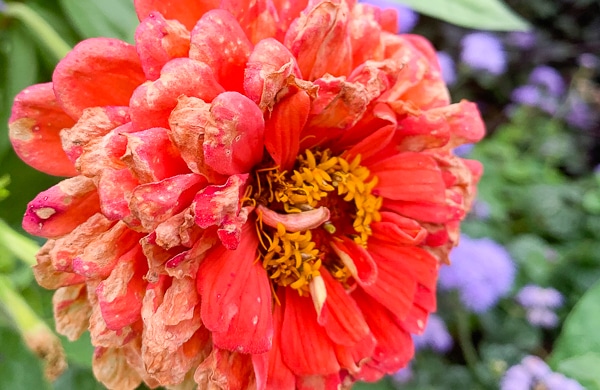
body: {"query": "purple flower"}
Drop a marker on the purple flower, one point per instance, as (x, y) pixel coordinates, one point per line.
(481, 271)
(407, 18)
(435, 336)
(579, 115)
(526, 94)
(448, 67)
(539, 304)
(483, 51)
(588, 60)
(463, 150)
(549, 78)
(522, 39)
(403, 375)
(533, 373)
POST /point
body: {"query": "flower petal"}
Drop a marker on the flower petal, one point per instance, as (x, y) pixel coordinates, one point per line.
(34, 127)
(153, 203)
(97, 72)
(120, 295)
(283, 128)
(319, 41)
(258, 19)
(409, 177)
(223, 369)
(71, 310)
(151, 156)
(340, 316)
(111, 368)
(185, 11)
(307, 350)
(158, 41)
(279, 375)
(218, 41)
(232, 145)
(115, 188)
(46, 273)
(152, 102)
(357, 259)
(58, 210)
(398, 229)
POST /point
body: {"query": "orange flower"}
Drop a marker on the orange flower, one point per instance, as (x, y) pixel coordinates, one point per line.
(260, 193)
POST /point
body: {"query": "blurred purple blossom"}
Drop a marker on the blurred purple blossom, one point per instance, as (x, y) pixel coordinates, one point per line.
(539, 303)
(448, 67)
(588, 60)
(435, 336)
(463, 150)
(407, 18)
(481, 270)
(533, 373)
(403, 375)
(524, 40)
(480, 209)
(526, 94)
(548, 77)
(579, 113)
(483, 51)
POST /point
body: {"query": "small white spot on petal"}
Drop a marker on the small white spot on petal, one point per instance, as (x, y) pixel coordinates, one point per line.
(254, 320)
(420, 324)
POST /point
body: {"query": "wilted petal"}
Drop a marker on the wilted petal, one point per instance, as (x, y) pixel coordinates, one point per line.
(34, 127)
(158, 41)
(58, 210)
(152, 102)
(97, 72)
(111, 368)
(223, 369)
(71, 310)
(47, 275)
(115, 188)
(219, 41)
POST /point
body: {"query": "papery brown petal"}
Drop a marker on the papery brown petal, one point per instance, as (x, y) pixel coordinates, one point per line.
(110, 367)
(158, 41)
(152, 102)
(218, 41)
(93, 123)
(104, 153)
(60, 209)
(223, 369)
(97, 72)
(100, 255)
(185, 11)
(47, 275)
(307, 350)
(34, 127)
(71, 310)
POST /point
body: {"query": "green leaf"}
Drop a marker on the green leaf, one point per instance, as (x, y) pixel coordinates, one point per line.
(583, 368)
(77, 378)
(478, 14)
(580, 331)
(19, 368)
(102, 18)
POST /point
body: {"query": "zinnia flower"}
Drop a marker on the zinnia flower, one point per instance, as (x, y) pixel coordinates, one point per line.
(260, 193)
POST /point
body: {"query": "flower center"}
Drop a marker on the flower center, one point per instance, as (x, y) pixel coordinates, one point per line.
(324, 198)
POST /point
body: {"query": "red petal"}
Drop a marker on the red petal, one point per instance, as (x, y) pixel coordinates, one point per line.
(236, 297)
(340, 315)
(427, 130)
(158, 41)
(97, 72)
(104, 153)
(60, 209)
(234, 140)
(223, 369)
(319, 40)
(409, 177)
(258, 19)
(373, 143)
(398, 229)
(426, 211)
(151, 103)
(154, 203)
(71, 310)
(115, 188)
(357, 259)
(46, 273)
(279, 375)
(151, 156)
(185, 11)
(218, 41)
(307, 350)
(283, 128)
(120, 295)
(34, 127)
(288, 10)
(319, 382)
(268, 70)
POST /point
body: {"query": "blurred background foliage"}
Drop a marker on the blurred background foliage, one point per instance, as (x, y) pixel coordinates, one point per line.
(537, 212)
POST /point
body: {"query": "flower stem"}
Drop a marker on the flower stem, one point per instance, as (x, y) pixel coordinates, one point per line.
(37, 335)
(20, 246)
(40, 29)
(464, 339)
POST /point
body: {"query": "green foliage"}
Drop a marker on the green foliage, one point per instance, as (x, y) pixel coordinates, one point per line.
(19, 368)
(479, 14)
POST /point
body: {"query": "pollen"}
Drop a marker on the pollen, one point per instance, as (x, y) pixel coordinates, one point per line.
(319, 179)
